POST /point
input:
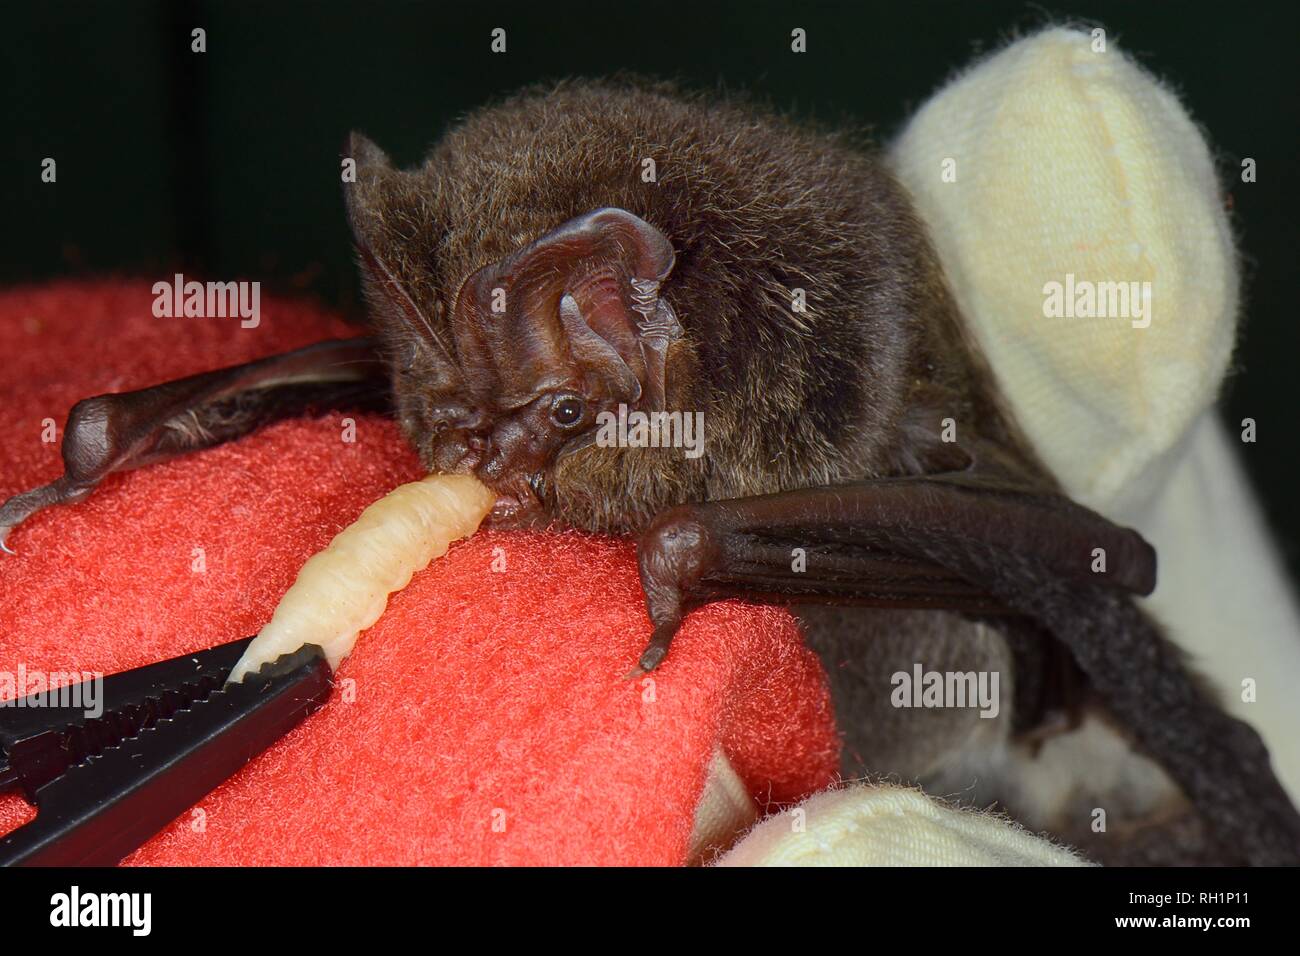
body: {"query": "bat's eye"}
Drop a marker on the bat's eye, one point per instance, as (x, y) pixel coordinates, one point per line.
(567, 411)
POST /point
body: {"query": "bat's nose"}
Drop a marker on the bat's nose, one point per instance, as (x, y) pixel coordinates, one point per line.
(506, 454)
(477, 447)
(493, 467)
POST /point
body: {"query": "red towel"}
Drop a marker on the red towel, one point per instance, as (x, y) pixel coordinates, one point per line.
(486, 717)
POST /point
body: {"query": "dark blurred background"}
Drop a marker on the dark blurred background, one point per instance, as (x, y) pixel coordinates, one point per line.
(226, 163)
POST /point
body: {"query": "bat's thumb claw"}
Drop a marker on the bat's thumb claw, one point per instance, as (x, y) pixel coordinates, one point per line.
(4, 533)
(651, 657)
(649, 660)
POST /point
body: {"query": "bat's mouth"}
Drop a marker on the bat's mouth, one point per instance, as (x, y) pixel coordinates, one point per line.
(520, 491)
(518, 503)
(506, 509)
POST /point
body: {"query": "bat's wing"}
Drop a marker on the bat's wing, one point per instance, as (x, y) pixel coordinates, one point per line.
(963, 542)
(110, 433)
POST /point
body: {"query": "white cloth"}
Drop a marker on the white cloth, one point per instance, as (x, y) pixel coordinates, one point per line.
(890, 826)
(1223, 594)
(1070, 162)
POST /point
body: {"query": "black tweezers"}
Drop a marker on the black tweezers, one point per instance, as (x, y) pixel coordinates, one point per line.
(168, 734)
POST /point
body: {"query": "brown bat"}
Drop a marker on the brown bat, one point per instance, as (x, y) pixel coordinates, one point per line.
(532, 278)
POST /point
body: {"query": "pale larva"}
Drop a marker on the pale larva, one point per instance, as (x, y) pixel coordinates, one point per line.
(344, 589)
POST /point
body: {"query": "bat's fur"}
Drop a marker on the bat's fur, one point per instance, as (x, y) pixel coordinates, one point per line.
(755, 206)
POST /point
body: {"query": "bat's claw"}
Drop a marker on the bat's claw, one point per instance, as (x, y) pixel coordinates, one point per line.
(652, 656)
(11, 516)
(656, 650)
(22, 506)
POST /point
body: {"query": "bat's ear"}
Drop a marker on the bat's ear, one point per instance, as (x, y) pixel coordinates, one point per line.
(581, 302)
(360, 185)
(372, 175)
(364, 151)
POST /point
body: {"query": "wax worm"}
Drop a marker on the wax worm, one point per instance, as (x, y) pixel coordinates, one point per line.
(344, 589)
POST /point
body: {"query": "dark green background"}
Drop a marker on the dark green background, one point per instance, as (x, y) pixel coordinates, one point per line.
(227, 162)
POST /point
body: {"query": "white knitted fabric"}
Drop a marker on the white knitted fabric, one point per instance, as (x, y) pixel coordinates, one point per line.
(1223, 594)
(1070, 161)
(890, 826)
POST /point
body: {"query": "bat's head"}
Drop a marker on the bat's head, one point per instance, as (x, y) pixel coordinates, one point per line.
(505, 372)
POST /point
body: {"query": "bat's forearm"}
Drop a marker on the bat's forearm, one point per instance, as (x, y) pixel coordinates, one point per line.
(111, 433)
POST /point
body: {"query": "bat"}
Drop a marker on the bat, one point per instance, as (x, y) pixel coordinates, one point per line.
(594, 249)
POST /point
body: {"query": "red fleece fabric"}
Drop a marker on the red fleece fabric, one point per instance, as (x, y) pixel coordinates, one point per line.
(485, 719)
